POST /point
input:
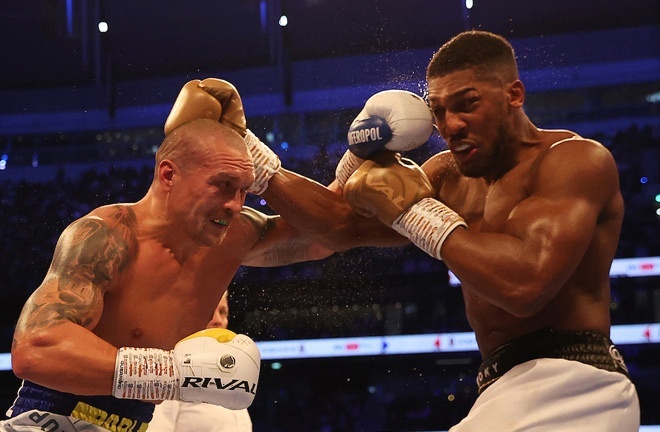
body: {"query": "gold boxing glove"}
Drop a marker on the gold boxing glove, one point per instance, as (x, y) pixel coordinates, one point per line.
(211, 98)
(386, 185)
(397, 191)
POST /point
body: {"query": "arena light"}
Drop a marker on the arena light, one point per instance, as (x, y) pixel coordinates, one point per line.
(653, 97)
(629, 334)
(103, 27)
(434, 343)
(69, 18)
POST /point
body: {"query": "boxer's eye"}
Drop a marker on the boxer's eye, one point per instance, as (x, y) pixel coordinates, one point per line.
(438, 112)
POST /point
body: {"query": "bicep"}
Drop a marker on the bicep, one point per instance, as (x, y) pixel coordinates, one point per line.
(87, 257)
(558, 220)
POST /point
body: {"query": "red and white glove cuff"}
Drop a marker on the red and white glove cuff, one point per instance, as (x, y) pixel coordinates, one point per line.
(145, 374)
(427, 224)
(266, 163)
(348, 164)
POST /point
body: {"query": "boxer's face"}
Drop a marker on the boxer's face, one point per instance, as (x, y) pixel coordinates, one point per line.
(471, 115)
(211, 193)
(220, 317)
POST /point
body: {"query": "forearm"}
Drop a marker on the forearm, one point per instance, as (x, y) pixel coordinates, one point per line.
(67, 358)
(319, 212)
(286, 253)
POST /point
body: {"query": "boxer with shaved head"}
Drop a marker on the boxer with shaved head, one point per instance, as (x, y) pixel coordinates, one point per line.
(109, 329)
(115, 324)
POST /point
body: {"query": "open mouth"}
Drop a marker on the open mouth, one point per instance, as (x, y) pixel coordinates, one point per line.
(462, 149)
(220, 222)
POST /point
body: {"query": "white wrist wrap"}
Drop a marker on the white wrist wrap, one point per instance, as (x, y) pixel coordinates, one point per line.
(348, 164)
(146, 374)
(266, 163)
(427, 224)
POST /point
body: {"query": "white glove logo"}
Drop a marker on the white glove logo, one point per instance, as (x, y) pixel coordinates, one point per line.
(227, 361)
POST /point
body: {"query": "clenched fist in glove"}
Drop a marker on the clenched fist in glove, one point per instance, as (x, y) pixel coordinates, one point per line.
(385, 186)
(218, 99)
(396, 120)
(211, 98)
(215, 365)
(399, 194)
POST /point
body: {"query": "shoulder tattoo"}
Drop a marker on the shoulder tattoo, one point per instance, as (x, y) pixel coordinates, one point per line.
(89, 254)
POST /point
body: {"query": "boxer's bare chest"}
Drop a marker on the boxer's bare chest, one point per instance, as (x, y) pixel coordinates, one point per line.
(160, 298)
(502, 197)
(487, 206)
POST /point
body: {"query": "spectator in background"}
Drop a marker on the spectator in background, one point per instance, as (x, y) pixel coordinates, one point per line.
(176, 416)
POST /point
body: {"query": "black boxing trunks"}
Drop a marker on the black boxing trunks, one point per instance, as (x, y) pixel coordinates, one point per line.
(586, 347)
(105, 411)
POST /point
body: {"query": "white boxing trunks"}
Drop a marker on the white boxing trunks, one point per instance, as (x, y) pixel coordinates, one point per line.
(554, 381)
(555, 395)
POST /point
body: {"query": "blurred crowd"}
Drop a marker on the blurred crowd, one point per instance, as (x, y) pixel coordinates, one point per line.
(362, 292)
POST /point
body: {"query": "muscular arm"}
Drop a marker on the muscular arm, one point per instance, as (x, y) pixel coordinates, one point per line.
(53, 342)
(546, 235)
(278, 242)
(322, 214)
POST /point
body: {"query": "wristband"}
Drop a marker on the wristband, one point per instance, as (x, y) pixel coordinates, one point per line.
(266, 163)
(348, 164)
(145, 374)
(427, 224)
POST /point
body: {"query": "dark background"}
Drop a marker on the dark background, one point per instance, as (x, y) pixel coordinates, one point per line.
(48, 44)
(88, 108)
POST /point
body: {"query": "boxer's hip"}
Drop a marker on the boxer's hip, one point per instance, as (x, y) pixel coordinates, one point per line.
(105, 411)
(590, 348)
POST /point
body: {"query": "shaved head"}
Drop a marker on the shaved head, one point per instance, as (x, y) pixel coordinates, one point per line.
(189, 143)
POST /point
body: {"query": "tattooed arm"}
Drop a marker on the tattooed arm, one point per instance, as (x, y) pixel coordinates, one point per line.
(53, 342)
(278, 242)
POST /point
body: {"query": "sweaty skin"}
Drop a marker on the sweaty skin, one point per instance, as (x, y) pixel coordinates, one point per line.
(150, 273)
(543, 208)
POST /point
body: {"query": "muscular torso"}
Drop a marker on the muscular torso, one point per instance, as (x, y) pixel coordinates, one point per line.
(581, 303)
(159, 298)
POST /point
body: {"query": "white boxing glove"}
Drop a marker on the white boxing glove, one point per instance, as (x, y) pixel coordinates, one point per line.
(214, 365)
(396, 120)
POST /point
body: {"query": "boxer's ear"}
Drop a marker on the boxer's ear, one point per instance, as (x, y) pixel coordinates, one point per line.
(516, 91)
(166, 172)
